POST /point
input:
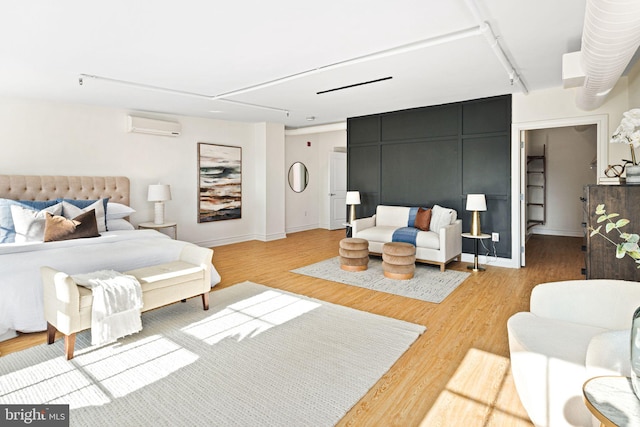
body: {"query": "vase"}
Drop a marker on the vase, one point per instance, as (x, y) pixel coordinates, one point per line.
(635, 353)
(633, 174)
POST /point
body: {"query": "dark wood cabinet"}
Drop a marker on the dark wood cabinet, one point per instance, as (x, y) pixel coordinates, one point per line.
(601, 261)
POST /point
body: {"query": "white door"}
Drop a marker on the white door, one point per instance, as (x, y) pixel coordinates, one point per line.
(337, 190)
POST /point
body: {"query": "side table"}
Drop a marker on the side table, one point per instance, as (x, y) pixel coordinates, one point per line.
(154, 226)
(476, 265)
(612, 401)
(347, 226)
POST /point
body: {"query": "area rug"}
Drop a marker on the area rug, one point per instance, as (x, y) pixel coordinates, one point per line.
(259, 356)
(428, 283)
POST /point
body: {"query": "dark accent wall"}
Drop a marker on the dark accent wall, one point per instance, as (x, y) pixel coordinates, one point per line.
(436, 155)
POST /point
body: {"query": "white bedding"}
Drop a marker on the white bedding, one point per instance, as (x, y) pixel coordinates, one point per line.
(21, 295)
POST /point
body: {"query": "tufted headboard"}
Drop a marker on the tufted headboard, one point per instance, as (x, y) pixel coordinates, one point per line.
(42, 187)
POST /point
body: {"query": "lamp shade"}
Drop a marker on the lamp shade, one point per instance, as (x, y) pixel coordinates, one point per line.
(159, 193)
(353, 198)
(476, 202)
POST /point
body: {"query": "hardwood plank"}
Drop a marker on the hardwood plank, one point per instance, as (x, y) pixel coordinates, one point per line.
(457, 372)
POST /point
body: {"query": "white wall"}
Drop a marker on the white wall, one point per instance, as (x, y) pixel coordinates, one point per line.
(269, 181)
(559, 103)
(311, 146)
(303, 208)
(45, 138)
(570, 152)
(634, 86)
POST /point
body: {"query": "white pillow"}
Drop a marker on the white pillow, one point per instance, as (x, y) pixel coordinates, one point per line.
(119, 224)
(29, 223)
(70, 211)
(441, 217)
(117, 211)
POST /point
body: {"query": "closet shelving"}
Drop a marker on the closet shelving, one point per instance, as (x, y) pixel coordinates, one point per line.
(536, 188)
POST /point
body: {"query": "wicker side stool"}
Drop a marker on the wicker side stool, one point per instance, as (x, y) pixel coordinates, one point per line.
(354, 254)
(398, 260)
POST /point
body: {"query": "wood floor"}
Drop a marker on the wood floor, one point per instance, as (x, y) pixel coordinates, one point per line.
(457, 373)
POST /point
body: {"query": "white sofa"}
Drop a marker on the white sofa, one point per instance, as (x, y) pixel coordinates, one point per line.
(440, 245)
(575, 330)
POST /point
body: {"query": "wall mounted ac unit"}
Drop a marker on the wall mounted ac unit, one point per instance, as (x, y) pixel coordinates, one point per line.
(153, 126)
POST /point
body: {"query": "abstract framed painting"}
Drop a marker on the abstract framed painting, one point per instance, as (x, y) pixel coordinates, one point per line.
(219, 182)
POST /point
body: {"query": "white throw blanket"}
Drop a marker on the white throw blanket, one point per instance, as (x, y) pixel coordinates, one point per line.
(117, 304)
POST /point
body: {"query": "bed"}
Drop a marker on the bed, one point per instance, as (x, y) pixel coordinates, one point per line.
(119, 246)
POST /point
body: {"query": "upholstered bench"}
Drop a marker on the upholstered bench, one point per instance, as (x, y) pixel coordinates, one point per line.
(354, 254)
(67, 305)
(398, 260)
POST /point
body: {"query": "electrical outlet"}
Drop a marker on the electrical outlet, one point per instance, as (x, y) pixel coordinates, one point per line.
(495, 237)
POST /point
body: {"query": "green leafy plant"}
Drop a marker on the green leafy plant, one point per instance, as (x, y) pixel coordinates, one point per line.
(629, 245)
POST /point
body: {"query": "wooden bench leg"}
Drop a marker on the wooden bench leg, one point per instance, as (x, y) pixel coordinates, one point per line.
(51, 333)
(69, 340)
(205, 301)
(69, 343)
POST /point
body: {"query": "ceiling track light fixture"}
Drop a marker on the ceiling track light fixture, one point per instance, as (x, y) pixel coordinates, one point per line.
(83, 77)
(483, 28)
(248, 104)
(486, 30)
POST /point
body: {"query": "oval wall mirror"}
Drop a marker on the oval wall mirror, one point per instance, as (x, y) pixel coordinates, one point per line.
(298, 177)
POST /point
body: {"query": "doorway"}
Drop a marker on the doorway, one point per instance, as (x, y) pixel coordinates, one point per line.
(337, 190)
(574, 150)
(560, 162)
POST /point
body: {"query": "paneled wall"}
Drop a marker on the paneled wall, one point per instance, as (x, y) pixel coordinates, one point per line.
(436, 155)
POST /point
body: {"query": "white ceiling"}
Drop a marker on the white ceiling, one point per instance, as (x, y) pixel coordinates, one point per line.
(215, 47)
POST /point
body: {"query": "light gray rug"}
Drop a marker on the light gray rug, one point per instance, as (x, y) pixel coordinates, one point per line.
(428, 283)
(259, 356)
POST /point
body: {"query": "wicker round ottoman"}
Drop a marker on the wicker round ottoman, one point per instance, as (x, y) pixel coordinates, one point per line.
(398, 260)
(354, 254)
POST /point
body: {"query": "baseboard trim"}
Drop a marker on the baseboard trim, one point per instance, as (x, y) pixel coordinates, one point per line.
(302, 228)
(552, 232)
(225, 241)
(485, 260)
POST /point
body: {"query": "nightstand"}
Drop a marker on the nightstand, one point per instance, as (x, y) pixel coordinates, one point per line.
(154, 226)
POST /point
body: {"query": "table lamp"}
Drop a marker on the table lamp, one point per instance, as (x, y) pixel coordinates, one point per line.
(159, 193)
(476, 203)
(353, 199)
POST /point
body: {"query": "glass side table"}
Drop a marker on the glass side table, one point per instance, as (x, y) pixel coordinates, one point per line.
(612, 401)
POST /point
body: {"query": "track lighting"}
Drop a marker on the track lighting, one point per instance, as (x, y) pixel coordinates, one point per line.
(175, 92)
(481, 29)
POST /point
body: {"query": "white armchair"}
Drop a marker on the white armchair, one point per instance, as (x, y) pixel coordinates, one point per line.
(575, 330)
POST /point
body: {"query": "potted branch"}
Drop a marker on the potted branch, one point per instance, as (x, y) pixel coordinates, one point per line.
(628, 132)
